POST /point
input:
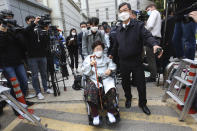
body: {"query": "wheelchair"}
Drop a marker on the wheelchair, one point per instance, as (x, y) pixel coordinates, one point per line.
(102, 112)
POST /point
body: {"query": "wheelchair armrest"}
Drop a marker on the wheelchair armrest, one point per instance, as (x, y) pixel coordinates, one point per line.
(85, 77)
(113, 74)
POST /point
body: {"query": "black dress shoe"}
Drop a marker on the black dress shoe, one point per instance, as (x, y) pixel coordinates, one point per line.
(128, 103)
(145, 110)
(29, 103)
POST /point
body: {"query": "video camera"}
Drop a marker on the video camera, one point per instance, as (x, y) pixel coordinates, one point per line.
(45, 20)
(142, 16)
(53, 31)
(6, 18)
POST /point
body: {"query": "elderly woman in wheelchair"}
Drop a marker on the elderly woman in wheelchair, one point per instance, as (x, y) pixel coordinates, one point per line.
(100, 90)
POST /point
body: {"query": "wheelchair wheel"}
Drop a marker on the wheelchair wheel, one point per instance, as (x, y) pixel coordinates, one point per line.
(117, 116)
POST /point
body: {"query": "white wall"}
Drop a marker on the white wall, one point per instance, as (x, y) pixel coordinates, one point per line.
(142, 4)
(71, 14)
(101, 5)
(56, 13)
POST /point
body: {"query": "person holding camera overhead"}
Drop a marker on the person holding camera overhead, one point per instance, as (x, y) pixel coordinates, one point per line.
(12, 53)
(36, 34)
(72, 45)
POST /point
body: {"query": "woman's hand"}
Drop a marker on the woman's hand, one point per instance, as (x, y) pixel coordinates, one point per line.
(70, 42)
(71, 39)
(110, 56)
(93, 62)
(107, 72)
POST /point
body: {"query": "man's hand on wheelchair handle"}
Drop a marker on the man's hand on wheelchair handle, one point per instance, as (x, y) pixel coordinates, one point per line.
(155, 49)
(110, 56)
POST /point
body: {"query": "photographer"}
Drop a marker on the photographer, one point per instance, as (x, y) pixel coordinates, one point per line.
(12, 54)
(184, 33)
(37, 52)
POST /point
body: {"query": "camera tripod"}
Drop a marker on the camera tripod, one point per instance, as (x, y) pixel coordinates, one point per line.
(51, 71)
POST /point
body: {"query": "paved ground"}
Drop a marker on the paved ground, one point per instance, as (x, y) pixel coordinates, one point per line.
(68, 113)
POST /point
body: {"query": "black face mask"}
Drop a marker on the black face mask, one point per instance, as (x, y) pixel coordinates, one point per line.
(88, 28)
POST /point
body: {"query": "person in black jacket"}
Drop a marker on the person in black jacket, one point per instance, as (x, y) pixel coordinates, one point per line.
(12, 57)
(37, 50)
(83, 26)
(184, 33)
(72, 45)
(166, 42)
(129, 45)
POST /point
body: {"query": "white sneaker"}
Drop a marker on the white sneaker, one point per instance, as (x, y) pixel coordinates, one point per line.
(111, 117)
(49, 91)
(29, 96)
(96, 121)
(40, 96)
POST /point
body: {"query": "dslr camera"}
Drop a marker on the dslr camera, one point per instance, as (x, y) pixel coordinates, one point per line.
(142, 16)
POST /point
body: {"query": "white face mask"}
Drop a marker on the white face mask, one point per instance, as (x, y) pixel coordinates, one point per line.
(102, 31)
(94, 29)
(124, 16)
(149, 12)
(73, 33)
(98, 53)
(83, 29)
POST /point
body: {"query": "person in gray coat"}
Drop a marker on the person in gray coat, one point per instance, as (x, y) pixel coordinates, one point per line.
(92, 35)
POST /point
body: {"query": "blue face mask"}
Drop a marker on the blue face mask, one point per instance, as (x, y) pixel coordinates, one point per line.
(149, 12)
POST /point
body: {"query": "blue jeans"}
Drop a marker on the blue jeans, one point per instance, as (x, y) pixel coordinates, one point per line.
(20, 73)
(184, 39)
(35, 65)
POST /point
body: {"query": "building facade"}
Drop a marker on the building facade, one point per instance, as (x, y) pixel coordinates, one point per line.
(23, 8)
(137, 4)
(107, 10)
(66, 14)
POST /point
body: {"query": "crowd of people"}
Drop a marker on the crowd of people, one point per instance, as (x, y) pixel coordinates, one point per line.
(123, 46)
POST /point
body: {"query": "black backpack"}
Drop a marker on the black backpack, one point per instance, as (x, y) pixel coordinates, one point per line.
(77, 82)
